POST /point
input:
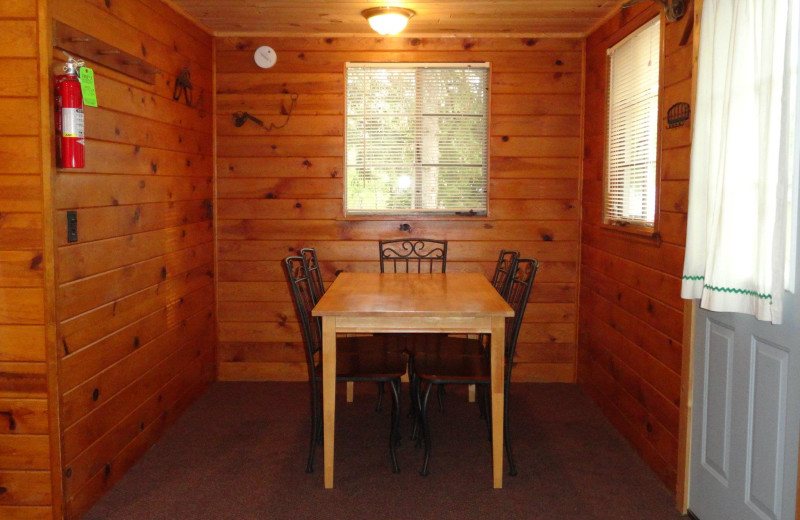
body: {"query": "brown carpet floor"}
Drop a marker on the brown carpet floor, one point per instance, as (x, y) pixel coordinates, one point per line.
(239, 453)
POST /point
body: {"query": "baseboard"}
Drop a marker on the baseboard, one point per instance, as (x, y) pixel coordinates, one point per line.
(691, 515)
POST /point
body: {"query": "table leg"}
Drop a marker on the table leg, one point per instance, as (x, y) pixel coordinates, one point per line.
(329, 393)
(497, 350)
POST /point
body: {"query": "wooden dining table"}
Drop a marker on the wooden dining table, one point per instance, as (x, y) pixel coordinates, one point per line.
(464, 303)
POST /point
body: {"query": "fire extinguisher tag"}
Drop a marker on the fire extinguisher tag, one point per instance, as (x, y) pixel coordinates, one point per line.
(72, 122)
(87, 87)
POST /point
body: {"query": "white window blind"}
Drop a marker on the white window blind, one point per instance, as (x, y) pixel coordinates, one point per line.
(416, 138)
(630, 180)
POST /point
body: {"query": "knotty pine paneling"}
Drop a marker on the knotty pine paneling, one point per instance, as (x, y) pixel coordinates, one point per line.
(631, 314)
(282, 190)
(25, 455)
(135, 312)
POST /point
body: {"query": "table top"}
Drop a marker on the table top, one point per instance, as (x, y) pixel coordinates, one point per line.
(412, 294)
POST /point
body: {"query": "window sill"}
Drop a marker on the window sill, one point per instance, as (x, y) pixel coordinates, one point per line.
(640, 234)
(415, 216)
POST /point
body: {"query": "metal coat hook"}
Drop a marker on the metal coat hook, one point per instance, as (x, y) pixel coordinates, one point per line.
(675, 9)
(183, 86)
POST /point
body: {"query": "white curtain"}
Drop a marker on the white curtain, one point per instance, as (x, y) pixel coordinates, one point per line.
(742, 152)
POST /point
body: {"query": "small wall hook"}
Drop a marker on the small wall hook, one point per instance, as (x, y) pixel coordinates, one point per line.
(675, 9)
(183, 86)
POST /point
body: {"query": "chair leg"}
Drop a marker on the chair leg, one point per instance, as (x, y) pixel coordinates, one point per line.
(378, 406)
(417, 405)
(481, 402)
(412, 412)
(440, 397)
(512, 471)
(394, 436)
(488, 406)
(315, 432)
(426, 431)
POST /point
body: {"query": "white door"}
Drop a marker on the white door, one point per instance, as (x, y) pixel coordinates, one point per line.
(746, 416)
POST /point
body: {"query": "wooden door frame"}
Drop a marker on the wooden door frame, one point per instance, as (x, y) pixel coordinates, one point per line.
(48, 166)
(687, 360)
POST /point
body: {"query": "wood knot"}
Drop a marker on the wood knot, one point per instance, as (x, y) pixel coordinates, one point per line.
(36, 261)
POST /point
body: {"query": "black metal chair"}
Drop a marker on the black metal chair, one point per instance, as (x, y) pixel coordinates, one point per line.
(413, 255)
(440, 345)
(357, 359)
(433, 369)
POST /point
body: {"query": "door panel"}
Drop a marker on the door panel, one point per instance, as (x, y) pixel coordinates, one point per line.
(717, 401)
(765, 464)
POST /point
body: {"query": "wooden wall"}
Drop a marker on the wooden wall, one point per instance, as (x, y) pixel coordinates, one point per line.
(25, 481)
(135, 294)
(631, 313)
(282, 190)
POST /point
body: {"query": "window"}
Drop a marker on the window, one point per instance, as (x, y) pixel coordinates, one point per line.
(632, 132)
(416, 138)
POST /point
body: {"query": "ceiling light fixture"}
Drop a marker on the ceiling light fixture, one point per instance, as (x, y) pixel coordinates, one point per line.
(387, 20)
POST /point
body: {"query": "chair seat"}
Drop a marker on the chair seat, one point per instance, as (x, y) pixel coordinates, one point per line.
(442, 345)
(445, 369)
(366, 358)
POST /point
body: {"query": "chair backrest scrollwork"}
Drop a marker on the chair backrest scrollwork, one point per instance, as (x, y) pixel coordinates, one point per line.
(413, 255)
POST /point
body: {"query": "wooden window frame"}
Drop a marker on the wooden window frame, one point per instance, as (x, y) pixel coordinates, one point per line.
(449, 214)
(628, 227)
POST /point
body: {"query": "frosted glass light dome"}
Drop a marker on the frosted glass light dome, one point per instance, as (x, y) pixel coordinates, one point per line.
(387, 20)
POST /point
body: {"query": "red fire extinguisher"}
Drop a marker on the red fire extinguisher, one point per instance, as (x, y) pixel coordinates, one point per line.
(69, 117)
